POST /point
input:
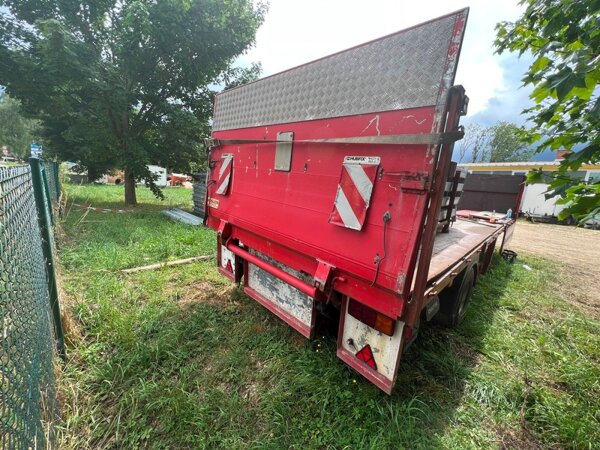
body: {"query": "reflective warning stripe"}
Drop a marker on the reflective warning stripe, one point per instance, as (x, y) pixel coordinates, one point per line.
(344, 210)
(224, 175)
(363, 184)
(353, 195)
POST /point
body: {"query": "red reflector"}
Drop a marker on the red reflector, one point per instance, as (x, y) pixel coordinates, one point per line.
(371, 317)
(366, 355)
(229, 267)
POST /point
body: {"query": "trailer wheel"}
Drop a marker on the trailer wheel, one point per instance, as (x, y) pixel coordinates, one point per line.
(454, 299)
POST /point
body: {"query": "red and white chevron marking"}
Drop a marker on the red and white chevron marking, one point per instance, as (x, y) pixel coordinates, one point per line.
(224, 174)
(353, 195)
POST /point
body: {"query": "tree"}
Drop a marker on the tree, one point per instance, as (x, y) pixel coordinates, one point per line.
(563, 37)
(506, 145)
(124, 83)
(16, 131)
(498, 143)
(474, 143)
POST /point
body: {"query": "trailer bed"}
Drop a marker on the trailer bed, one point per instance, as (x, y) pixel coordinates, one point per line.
(463, 238)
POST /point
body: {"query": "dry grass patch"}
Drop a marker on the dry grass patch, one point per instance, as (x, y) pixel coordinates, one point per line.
(206, 292)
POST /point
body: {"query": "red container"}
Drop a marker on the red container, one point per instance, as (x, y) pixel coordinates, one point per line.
(323, 178)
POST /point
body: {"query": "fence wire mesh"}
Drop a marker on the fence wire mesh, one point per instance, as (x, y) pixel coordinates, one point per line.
(27, 388)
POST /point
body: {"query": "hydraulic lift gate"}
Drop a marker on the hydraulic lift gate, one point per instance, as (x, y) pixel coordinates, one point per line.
(328, 168)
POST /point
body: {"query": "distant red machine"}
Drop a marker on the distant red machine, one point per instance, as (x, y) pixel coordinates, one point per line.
(178, 179)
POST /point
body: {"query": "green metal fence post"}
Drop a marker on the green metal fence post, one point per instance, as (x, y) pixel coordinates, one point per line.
(44, 207)
(47, 194)
(56, 166)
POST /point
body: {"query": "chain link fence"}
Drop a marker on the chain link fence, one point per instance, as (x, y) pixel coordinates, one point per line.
(30, 329)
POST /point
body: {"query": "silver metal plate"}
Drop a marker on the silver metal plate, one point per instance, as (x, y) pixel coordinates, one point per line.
(283, 151)
(400, 71)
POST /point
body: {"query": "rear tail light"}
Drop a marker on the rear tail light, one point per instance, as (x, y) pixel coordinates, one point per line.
(229, 267)
(372, 318)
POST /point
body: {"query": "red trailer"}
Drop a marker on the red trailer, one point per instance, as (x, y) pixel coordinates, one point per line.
(331, 188)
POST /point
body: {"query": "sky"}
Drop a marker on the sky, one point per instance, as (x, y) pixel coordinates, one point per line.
(298, 31)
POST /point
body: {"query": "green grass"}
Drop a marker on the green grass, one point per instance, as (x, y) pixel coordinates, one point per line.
(11, 163)
(177, 359)
(103, 241)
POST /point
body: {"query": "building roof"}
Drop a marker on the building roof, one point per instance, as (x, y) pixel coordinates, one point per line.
(522, 165)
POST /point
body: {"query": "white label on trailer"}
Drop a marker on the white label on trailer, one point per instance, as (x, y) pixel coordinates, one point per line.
(213, 203)
(362, 160)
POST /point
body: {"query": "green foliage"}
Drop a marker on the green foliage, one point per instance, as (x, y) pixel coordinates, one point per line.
(124, 83)
(475, 142)
(498, 143)
(564, 38)
(176, 358)
(506, 145)
(16, 131)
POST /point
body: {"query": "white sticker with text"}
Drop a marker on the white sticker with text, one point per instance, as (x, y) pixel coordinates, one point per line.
(362, 160)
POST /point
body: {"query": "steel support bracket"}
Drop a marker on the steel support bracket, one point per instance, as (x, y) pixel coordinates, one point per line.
(224, 230)
(322, 275)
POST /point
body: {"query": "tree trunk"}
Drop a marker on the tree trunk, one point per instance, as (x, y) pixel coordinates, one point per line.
(130, 198)
(93, 174)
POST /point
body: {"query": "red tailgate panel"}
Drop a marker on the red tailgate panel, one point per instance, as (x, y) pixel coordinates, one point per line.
(293, 208)
(392, 86)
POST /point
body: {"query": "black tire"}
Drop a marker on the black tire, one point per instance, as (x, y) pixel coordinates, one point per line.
(454, 299)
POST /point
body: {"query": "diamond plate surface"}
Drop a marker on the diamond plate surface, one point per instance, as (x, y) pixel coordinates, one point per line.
(396, 72)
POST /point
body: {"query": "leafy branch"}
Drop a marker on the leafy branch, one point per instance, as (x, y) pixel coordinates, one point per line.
(564, 38)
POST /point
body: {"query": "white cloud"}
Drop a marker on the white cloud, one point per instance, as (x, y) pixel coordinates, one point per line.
(296, 32)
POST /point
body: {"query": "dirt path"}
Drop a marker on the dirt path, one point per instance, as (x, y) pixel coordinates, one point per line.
(576, 252)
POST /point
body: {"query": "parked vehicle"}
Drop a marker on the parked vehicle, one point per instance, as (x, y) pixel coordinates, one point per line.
(332, 192)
